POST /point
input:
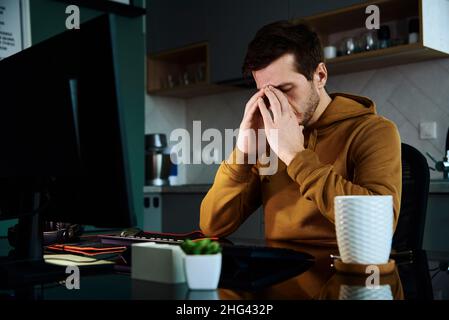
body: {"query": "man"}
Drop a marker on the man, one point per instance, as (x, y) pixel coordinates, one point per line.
(328, 145)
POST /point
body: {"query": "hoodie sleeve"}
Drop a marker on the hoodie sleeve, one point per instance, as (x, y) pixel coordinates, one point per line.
(233, 197)
(376, 154)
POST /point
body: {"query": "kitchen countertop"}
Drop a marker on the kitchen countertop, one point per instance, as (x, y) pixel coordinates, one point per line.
(437, 186)
(185, 188)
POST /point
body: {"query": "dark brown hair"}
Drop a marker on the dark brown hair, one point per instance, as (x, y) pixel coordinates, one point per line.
(276, 39)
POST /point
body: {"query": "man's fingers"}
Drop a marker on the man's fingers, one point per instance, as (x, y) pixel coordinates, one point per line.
(274, 103)
(253, 100)
(285, 105)
(265, 113)
(251, 109)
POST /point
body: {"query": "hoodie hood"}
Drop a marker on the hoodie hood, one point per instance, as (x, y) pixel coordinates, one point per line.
(342, 107)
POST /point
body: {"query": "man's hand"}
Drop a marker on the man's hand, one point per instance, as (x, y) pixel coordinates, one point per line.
(289, 139)
(252, 121)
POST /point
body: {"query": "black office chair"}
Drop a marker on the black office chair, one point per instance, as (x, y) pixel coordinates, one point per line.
(415, 188)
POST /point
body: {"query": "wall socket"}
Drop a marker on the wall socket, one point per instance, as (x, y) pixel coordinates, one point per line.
(428, 130)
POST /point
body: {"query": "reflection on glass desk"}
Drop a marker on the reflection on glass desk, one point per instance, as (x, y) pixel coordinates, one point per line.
(321, 281)
(422, 275)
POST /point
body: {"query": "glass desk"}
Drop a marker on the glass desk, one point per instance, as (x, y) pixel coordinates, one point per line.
(421, 276)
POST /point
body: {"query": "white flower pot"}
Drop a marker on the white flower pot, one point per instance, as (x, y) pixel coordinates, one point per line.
(202, 271)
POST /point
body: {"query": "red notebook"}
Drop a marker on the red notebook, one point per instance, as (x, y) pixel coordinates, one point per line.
(91, 249)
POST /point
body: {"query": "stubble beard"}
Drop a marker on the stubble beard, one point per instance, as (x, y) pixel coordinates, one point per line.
(309, 111)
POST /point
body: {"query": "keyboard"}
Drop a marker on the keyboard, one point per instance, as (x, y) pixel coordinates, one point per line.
(127, 239)
(240, 252)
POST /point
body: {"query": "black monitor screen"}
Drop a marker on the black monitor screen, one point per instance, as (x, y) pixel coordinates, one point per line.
(61, 124)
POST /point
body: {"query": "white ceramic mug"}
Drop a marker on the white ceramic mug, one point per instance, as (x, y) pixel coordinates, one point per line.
(364, 227)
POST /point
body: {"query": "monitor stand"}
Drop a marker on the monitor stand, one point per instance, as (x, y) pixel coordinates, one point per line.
(25, 264)
(29, 240)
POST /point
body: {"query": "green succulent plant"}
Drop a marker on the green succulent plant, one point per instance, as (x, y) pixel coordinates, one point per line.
(204, 246)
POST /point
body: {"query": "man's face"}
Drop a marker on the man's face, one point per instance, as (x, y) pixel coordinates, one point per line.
(302, 94)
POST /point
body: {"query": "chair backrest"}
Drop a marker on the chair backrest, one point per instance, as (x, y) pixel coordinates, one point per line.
(415, 189)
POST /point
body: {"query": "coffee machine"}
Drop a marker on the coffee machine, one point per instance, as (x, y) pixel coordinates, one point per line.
(157, 160)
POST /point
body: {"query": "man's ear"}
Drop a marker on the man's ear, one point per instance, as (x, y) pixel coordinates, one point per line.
(320, 75)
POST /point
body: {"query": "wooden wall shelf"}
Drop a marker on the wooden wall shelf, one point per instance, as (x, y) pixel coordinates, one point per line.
(433, 42)
(182, 73)
(192, 91)
(382, 58)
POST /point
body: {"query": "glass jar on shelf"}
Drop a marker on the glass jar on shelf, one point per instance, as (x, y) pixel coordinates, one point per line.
(413, 30)
(384, 37)
(347, 46)
(368, 41)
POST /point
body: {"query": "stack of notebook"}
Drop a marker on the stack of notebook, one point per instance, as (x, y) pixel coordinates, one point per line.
(91, 249)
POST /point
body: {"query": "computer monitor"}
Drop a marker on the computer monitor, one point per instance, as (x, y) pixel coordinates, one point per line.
(62, 133)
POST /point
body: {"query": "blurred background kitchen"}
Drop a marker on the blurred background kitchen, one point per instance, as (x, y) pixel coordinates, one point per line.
(405, 72)
(180, 61)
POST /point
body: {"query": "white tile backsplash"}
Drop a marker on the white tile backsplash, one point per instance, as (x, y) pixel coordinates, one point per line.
(417, 107)
(390, 112)
(430, 80)
(444, 63)
(381, 86)
(162, 114)
(352, 82)
(407, 94)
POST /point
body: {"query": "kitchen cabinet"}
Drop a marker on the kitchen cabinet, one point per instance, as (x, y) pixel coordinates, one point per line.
(233, 24)
(304, 8)
(175, 23)
(225, 26)
(177, 209)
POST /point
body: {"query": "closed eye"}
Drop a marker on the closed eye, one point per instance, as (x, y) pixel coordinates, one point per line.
(285, 89)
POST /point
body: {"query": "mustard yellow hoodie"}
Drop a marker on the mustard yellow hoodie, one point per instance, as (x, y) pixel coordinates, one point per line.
(350, 150)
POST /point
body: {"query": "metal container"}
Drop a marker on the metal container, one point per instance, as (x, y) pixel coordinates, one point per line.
(155, 142)
(157, 168)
